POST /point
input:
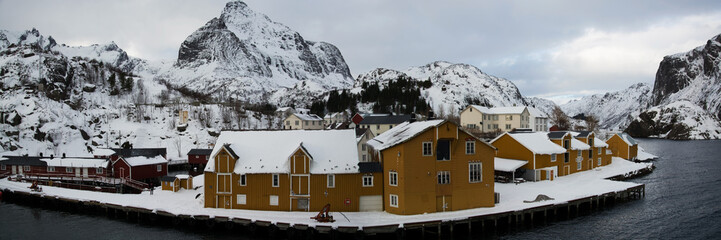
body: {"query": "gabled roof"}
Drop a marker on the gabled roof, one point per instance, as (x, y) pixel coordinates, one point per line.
(333, 151)
(167, 178)
(143, 160)
(598, 143)
(628, 139)
(578, 145)
(103, 152)
(536, 113)
(308, 117)
(499, 110)
(557, 134)
(406, 131)
(536, 142)
(199, 151)
(583, 134)
(385, 119)
(23, 160)
(135, 152)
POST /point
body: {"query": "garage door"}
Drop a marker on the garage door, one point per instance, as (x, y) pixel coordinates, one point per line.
(371, 203)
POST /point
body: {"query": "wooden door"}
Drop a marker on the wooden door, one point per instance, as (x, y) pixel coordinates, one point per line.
(20, 170)
(122, 172)
(77, 172)
(85, 172)
(14, 170)
(567, 170)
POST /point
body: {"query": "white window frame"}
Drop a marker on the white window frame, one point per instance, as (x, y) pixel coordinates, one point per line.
(160, 167)
(553, 157)
(579, 153)
(330, 179)
(99, 170)
(430, 148)
(470, 145)
(393, 178)
(243, 180)
(3, 167)
(26, 168)
(68, 170)
(475, 166)
(599, 151)
(393, 200)
(275, 180)
(599, 161)
(241, 199)
(367, 179)
(364, 158)
(51, 169)
(443, 177)
(579, 165)
(273, 200)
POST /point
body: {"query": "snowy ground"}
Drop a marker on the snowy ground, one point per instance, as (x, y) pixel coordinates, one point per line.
(563, 189)
(642, 155)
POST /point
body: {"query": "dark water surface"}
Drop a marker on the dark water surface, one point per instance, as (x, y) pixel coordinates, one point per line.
(683, 201)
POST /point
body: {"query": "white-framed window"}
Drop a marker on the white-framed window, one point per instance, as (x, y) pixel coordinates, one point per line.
(393, 200)
(599, 151)
(68, 170)
(276, 180)
(160, 168)
(241, 199)
(305, 123)
(26, 168)
(363, 146)
(579, 165)
(3, 167)
(51, 169)
(273, 200)
(297, 122)
(578, 154)
(99, 171)
(508, 126)
(242, 180)
(364, 158)
(553, 157)
(443, 177)
(599, 162)
(393, 178)
(368, 180)
(331, 181)
(475, 172)
(427, 148)
(470, 147)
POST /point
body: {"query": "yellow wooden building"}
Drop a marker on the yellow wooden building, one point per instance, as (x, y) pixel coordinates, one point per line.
(622, 145)
(291, 171)
(543, 157)
(434, 166)
(598, 153)
(182, 181)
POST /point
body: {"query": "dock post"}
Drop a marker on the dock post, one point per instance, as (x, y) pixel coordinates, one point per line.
(439, 231)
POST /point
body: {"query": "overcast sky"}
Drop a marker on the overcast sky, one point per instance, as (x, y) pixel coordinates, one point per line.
(553, 49)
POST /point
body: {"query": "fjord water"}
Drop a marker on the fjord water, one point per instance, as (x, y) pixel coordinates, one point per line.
(683, 200)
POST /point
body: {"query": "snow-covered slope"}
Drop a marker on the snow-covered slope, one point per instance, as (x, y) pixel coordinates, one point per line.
(252, 58)
(544, 105)
(454, 86)
(615, 110)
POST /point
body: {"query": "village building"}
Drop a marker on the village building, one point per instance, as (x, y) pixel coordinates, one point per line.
(530, 155)
(54, 167)
(363, 135)
(291, 171)
(483, 119)
(284, 112)
(140, 164)
(355, 120)
(599, 153)
(198, 157)
(334, 118)
(379, 123)
(624, 146)
(539, 120)
(576, 157)
(434, 166)
(175, 183)
(297, 121)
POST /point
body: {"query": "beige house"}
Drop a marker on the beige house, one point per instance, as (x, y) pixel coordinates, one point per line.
(504, 119)
(302, 121)
(539, 120)
(362, 136)
(332, 118)
(380, 123)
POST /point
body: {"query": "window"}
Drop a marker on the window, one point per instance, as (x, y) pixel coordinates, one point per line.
(599, 162)
(443, 150)
(363, 146)
(99, 171)
(393, 200)
(378, 126)
(241, 199)
(475, 172)
(489, 126)
(470, 147)
(68, 170)
(495, 126)
(566, 157)
(3, 167)
(242, 181)
(553, 157)
(276, 180)
(444, 177)
(331, 180)
(368, 180)
(305, 123)
(274, 200)
(364, 158)
(51, 169)
(590, 153)
(427, 148)
(508, 126)
(393, 178)
(391, 126)
(566, 144)
(599, 151)
(578, 154)
(26, 168)
(287, 122)
(471, 126)
(160, 168)
(579, 165)
(297, 122)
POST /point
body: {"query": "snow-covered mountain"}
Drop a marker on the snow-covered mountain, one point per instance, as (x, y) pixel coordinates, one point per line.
(454, 86)
(544, 105)
(251, 58)
(615, 110)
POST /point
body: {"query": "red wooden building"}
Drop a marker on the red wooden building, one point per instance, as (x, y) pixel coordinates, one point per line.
(54, 167)
(140, 164)
(199, 156)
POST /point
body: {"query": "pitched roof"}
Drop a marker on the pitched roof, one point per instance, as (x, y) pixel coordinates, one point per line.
(557, 134)
(200, 151)
(628, 139)
(578, 145)
(499, 110)
(143, 160)
(145, 152)
(24, 160)
(333, 151)
(76, 162)
(308, 117)
(385, 119)
(536, 142)
(406, 131)
(583, 134)
(598, 143)
(507, 165)
(537, 113)
(167, 178)
(103, 152)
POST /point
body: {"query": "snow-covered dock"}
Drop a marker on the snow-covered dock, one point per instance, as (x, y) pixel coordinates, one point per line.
(570, 194)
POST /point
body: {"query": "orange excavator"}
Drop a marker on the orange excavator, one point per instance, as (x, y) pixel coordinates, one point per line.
(324, 215)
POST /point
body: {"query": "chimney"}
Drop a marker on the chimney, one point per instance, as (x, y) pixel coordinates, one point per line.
(51, 156)
(430, 115)
(413, 118)
(63, 155)
(41, 154)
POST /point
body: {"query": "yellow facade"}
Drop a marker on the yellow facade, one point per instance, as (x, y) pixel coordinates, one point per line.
(620, 148)
(170, 185)
(417, 189)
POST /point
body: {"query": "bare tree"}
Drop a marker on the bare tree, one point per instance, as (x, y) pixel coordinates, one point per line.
(591, 122)
(560, 119)
(178, 143)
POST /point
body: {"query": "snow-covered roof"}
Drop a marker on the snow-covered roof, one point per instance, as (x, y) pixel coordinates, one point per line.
(628, 139)
(308, 117)
(332, 151)
(499, 110)
(76, 162)
(578, 145)
(142, 160)
(598, 143)
(283, 109)
(103, 152)
(507, 165)
(401, 133)
(182, 176)
(536, 142)
(537, 113)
